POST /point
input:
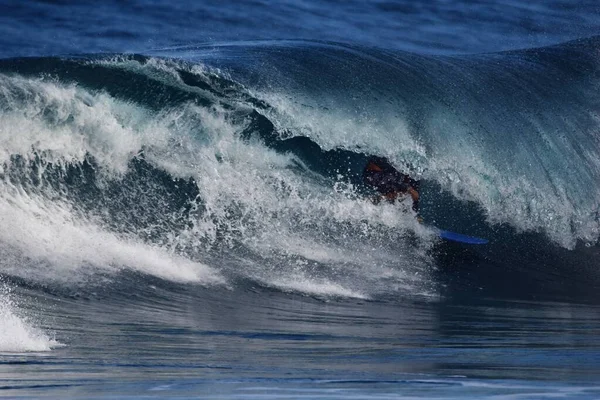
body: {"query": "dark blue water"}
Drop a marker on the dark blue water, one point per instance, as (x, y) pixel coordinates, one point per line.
(183, 215)
(59, 27)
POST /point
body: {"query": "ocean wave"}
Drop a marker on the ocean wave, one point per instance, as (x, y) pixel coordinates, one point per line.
(514, 132)
(243, 161)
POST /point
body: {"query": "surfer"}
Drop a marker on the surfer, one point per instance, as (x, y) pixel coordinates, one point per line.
(389, 182)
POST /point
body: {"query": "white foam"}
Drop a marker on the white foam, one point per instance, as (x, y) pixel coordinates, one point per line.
(46, 232)
(316, 287)
(283, 213)
(66, 122)
(249, 193)
(16, 333)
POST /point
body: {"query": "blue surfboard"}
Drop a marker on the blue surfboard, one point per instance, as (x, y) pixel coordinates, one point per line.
(457, 237)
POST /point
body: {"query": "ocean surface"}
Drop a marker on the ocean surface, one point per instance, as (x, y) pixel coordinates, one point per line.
(182, 213)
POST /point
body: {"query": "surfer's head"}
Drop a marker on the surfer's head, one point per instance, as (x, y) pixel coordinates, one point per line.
(376, 163)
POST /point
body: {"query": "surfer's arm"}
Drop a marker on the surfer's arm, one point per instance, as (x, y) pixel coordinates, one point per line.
(413, 193)
(415, 198)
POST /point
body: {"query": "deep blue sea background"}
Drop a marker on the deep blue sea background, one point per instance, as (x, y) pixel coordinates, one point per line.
(182, 213)
(440, 27)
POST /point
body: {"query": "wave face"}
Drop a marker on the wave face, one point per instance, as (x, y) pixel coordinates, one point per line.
(239, 165)
(516, 133)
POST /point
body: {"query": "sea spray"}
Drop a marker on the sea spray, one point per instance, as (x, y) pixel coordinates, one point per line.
(17, 332)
